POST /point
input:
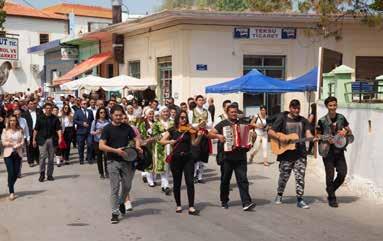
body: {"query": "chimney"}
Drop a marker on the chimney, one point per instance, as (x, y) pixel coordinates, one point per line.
(117, 11)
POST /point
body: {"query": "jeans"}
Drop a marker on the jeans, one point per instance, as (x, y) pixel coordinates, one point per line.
(120, 172)
(13, 166)
(32, 153)
(334, 161)
(183, 164)
(101, 159)
(240, 170)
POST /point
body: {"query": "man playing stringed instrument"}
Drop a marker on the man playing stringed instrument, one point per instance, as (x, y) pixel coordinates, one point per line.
(291, 160)
(333, 123)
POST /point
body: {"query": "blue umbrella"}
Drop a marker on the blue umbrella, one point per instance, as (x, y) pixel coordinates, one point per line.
(252, 83)
(307, 81)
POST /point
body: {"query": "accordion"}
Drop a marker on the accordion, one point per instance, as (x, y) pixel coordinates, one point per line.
(237, 136)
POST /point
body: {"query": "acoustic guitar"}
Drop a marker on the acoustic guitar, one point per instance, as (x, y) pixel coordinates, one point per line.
(278, 147)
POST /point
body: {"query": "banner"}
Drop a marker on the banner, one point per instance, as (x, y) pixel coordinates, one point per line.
(9, 48)
(69, 53)
(265, 33)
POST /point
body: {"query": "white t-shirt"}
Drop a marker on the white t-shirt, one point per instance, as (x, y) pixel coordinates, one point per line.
(260, 122)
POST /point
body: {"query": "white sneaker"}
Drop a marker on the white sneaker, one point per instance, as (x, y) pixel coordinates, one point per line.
(128, 206)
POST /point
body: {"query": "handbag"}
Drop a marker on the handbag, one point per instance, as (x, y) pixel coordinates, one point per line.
(169, 158)
(62, 144)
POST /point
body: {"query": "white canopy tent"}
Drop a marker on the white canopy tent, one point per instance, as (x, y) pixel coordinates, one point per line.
(132, 83)
(92, 82)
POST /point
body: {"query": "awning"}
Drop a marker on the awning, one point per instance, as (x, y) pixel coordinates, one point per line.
(83, 67)
(43, 47)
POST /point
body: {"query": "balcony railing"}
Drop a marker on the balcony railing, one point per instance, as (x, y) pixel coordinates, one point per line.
(364, 91)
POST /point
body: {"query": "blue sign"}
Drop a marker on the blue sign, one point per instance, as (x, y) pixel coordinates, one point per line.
(201, 67)
(242, 33)
(289, 33)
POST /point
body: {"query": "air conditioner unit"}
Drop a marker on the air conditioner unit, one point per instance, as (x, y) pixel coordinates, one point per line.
(35, 68)
(16, 64)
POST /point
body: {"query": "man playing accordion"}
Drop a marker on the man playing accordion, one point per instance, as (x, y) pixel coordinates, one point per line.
(234, 160)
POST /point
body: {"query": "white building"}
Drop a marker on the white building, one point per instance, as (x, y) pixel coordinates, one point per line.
(26, 27)
(185, 51)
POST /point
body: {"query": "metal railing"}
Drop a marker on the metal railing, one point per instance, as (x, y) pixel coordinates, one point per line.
(364, 91)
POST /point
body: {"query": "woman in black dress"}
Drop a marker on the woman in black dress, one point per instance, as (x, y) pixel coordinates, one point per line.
(182, 137)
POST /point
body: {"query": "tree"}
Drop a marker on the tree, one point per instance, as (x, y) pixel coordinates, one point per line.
(2, 15)
(332, 13)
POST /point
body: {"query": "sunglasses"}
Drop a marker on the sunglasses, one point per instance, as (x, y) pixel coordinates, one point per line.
(183, 117)
(102, 112)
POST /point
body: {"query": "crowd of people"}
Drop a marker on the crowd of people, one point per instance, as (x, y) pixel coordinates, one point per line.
(178, 140)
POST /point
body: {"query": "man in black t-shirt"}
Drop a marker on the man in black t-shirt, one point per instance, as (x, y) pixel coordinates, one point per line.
(235, 160)
(333, 158)
(289, 123)
(114, 138)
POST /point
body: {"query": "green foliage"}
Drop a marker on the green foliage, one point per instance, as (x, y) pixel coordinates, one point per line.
(269, 5)
(2, 14)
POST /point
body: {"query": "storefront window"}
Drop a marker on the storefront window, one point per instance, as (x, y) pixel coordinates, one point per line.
(272, 66)
(164, 77)
(134, 69)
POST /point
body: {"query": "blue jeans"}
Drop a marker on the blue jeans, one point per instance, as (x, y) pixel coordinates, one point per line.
(13, 167)
(81, 139)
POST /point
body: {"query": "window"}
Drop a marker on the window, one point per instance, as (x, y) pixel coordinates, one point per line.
(272, 66)
(134, 69)
(368, 68)
(165, 77)
(110, 70)
(44, 38)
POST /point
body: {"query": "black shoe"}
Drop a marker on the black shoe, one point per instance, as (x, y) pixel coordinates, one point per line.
(332, 202)
(31, 165)
(122, 208)
(58, 165)
(249, 207)
(66, 163)
(50, 178)
(81, 162)
(195, 180)
(194, 213)
(144, 179)
(225, 205)
(42, 177)
(102, 176)
(167, 191)
(107, 175)
(201, 181)
(114, 219)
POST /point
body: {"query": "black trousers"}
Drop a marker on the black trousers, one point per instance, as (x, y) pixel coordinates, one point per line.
(183, 164)
(101, 160)
(33, 154)
(68, 133)
(240, 170)
(335, 160)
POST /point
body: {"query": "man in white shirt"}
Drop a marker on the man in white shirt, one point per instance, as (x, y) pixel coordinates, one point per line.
(92, 106)
(200, 118)
(31, 116)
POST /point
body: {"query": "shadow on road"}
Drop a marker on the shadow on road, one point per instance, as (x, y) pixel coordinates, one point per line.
(30, 174)
(320, 199)
(142, 212)
(143, 201)
(67, 176)
(24, 193)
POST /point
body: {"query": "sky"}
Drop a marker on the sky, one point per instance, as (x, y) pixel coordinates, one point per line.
(135, 6)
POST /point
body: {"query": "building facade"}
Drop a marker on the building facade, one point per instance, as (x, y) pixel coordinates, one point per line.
(185, 51)
(27, 27)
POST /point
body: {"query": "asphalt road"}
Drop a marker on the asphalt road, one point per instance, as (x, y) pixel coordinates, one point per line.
(76, 207)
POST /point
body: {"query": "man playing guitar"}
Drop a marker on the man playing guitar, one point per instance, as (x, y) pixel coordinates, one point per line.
(333, 123)
(288, 123)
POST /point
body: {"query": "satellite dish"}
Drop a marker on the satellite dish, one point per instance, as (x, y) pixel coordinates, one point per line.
(4, 72)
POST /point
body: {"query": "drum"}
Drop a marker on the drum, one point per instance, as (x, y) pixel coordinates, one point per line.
(144, 160)
(131, 154)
